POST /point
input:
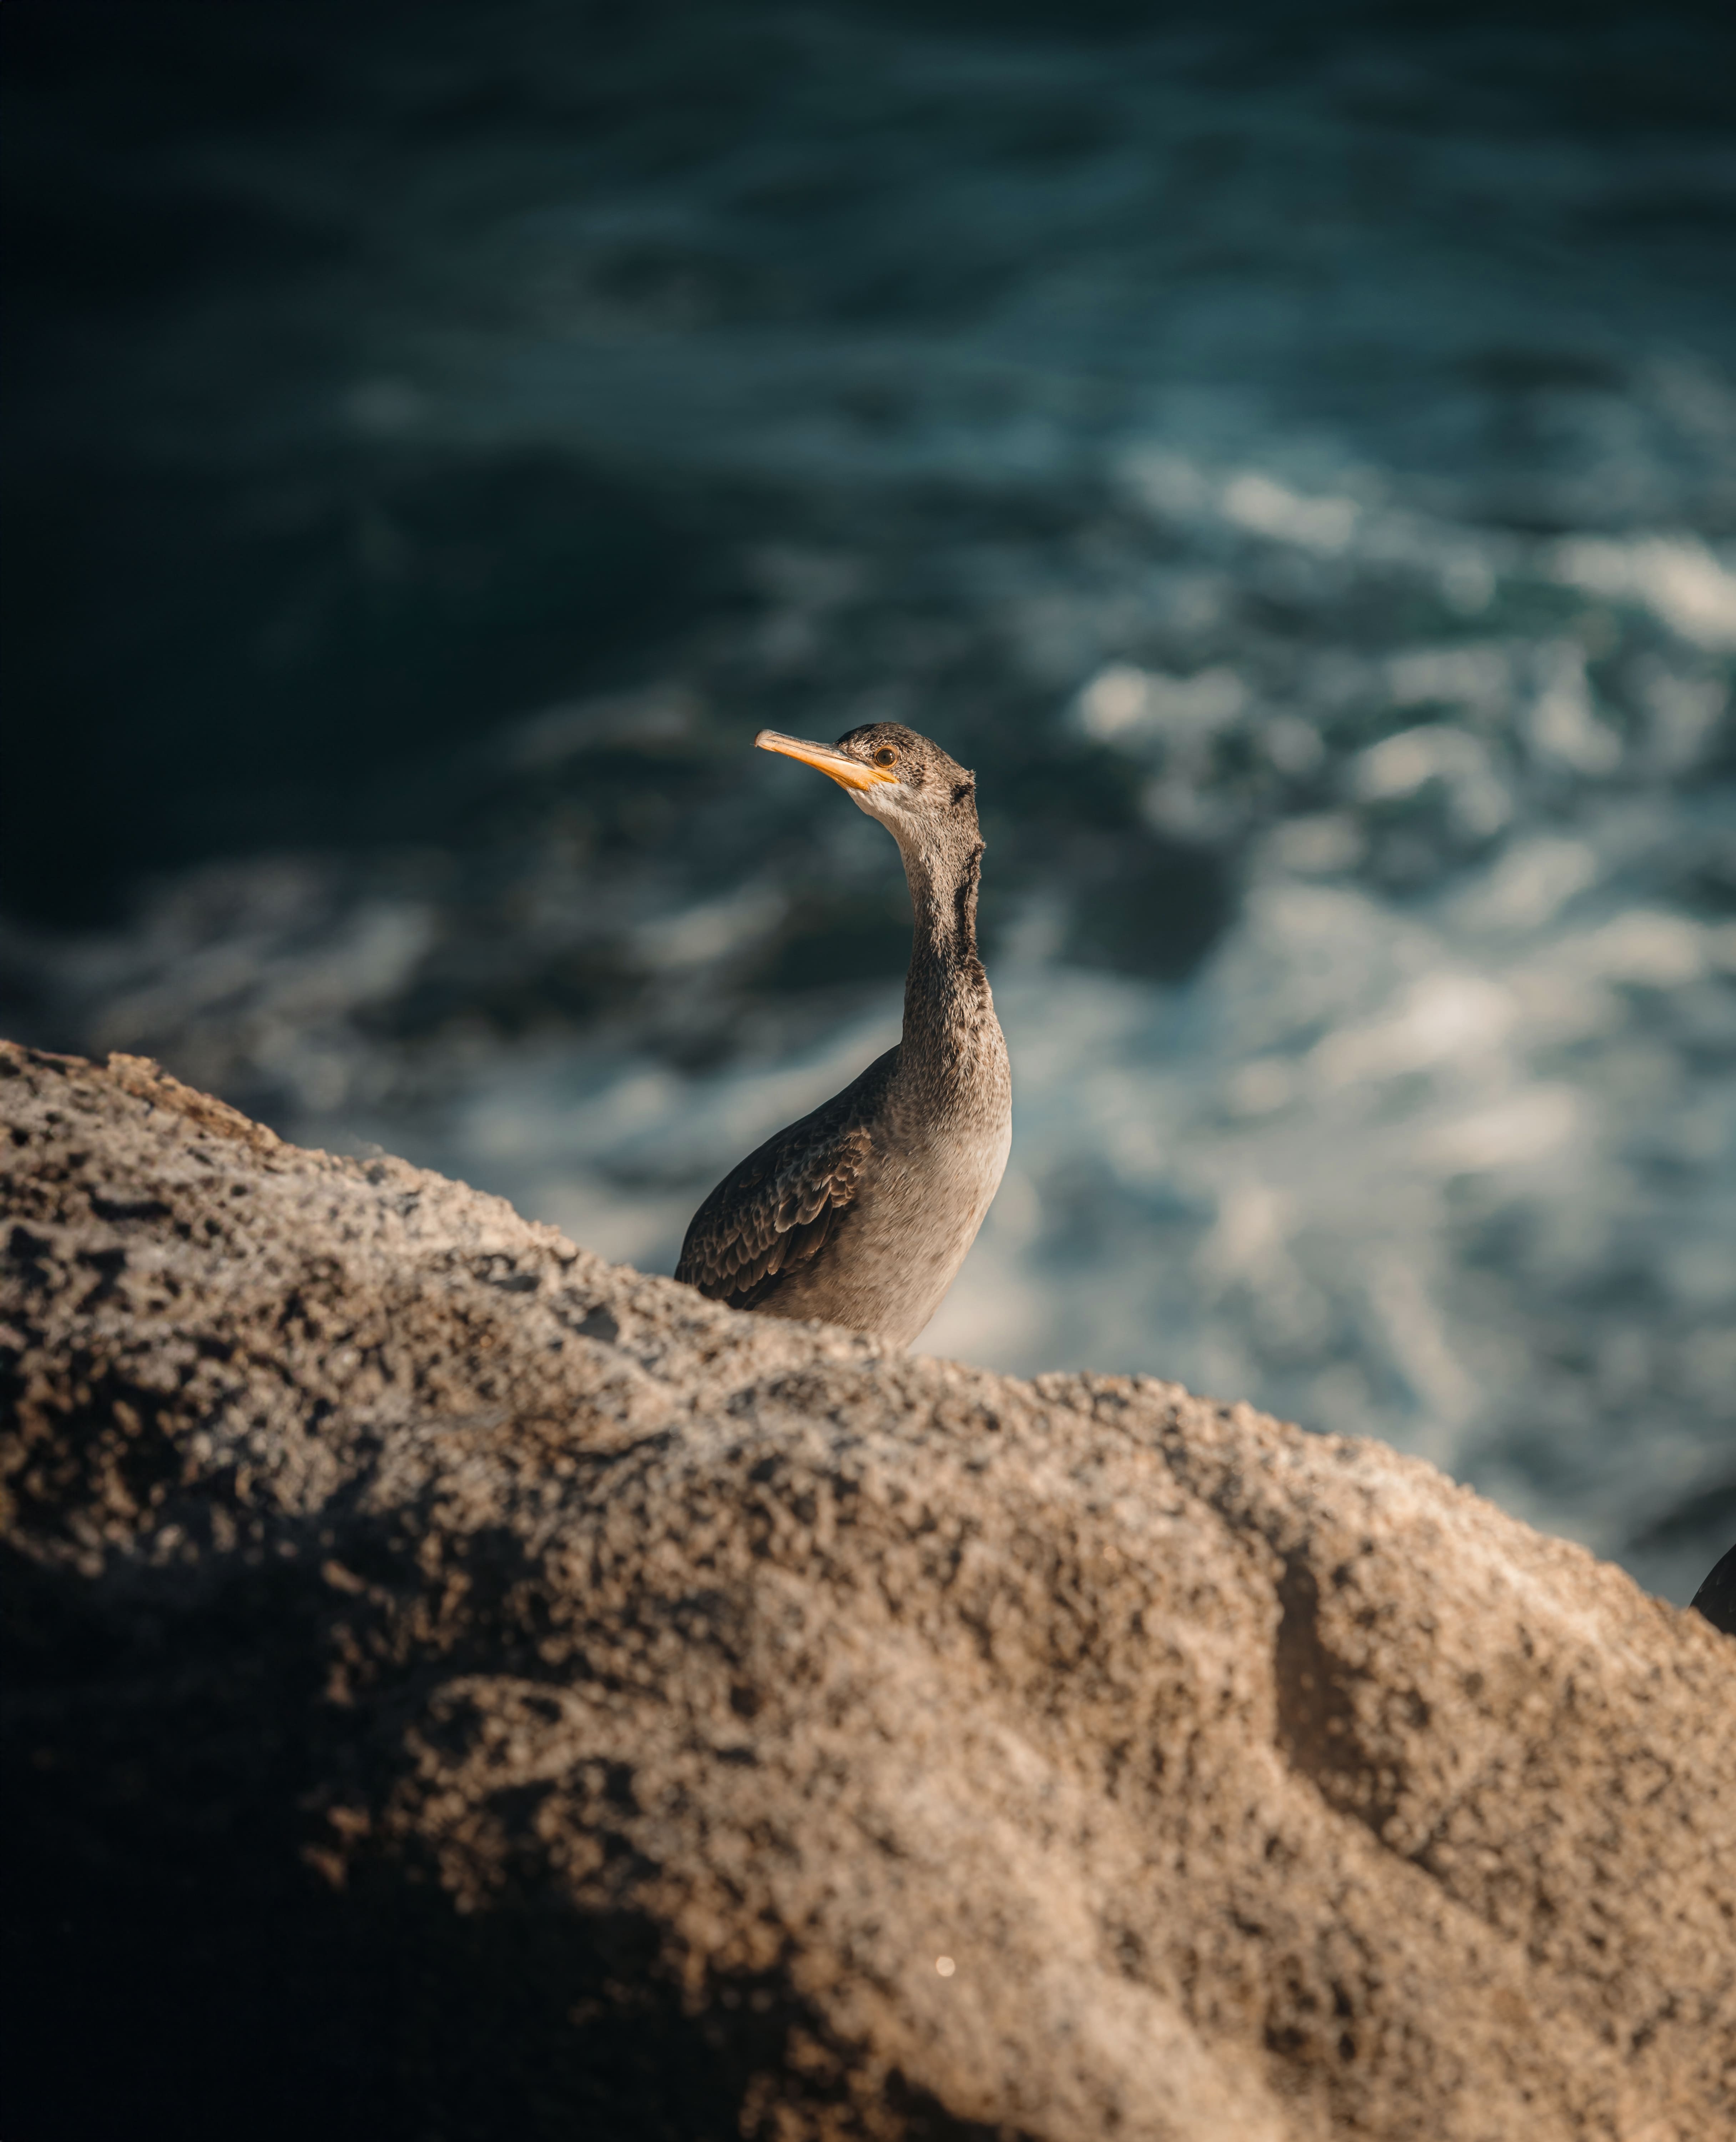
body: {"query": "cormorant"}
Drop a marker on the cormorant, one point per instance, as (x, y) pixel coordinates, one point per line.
(862, 1212)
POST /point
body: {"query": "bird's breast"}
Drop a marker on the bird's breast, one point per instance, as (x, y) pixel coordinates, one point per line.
(926, 1195)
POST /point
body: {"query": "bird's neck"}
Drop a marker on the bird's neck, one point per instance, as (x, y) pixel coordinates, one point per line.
(948, 1007)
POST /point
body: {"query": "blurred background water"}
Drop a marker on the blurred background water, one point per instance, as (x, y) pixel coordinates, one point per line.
(1290, 453)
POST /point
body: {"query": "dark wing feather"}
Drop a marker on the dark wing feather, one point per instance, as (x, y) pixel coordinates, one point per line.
(775, 1213)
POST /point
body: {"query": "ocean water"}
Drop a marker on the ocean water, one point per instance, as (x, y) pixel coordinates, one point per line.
(1293, 461)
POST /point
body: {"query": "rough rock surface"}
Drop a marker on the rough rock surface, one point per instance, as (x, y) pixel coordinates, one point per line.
(461, 1689)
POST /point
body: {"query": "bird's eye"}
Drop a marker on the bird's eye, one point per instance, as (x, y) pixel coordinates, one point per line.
(885, 756)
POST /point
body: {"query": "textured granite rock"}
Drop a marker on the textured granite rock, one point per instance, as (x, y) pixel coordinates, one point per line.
(458, 1689)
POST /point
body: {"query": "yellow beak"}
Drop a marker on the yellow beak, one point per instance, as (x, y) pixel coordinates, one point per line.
(847, 771)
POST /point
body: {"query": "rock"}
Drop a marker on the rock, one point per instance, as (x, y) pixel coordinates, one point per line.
(460, 1689)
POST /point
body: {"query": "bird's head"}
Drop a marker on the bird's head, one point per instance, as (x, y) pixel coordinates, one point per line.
(926, 798)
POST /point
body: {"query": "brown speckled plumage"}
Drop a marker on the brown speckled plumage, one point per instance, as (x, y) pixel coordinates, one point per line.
(862, 1212)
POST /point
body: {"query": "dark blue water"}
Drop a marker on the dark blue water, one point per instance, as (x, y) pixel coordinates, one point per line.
(1291, 456)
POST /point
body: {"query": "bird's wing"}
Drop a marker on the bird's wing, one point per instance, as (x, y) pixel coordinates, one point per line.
(774, 1213)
